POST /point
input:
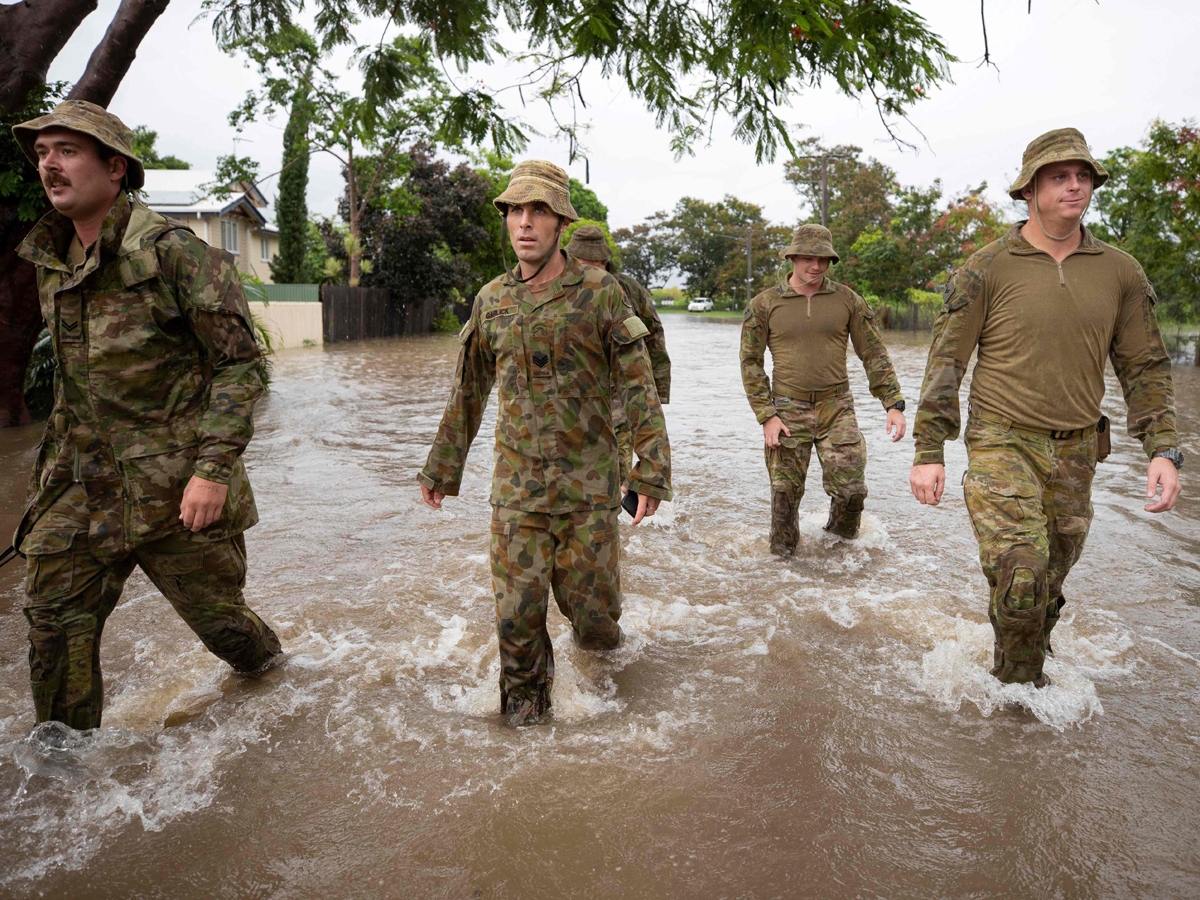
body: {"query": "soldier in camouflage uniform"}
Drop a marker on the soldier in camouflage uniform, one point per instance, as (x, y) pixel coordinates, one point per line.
(564, 345)
(156, 379)
(806, 323)
(587, 245)
(1045, 306)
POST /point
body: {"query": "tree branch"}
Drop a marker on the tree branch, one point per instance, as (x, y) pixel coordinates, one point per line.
(115, 53)
(31, 36)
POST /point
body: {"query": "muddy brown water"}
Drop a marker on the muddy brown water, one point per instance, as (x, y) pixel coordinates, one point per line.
(822, 727)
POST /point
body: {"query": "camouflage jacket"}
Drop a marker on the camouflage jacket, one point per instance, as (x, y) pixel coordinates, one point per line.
(156, 377)
(1017, 306)
(561, 361)
(807, 337)
(656, 342)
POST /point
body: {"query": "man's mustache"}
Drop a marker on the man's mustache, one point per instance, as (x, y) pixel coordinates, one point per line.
(55, 180)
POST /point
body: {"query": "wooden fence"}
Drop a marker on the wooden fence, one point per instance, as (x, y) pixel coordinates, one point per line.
(355, 314)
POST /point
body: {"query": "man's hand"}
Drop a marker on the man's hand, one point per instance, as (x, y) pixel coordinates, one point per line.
(647, 506)
(928, 482)
(895, 422)
(1162, 472)
(432, 498)
(202, 504)
(771, 429)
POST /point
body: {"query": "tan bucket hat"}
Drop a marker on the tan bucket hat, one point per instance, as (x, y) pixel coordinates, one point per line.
(536, 179)
(93, 120)
(1060, 145)
(811, 240)
(588, 243)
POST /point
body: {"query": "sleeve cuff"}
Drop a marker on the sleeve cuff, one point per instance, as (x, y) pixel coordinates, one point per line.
(650, 491)
(1160, 442)
(219, 473)
(889, 402)
(766, 412)
(924, 457)
(450, 490)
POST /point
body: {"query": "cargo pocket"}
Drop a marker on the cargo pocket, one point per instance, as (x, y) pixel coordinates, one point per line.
(81, 640)
(158, 466)
(998, 508)
(50, 574)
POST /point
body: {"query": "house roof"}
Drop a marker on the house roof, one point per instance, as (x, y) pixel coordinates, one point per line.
(187, 192)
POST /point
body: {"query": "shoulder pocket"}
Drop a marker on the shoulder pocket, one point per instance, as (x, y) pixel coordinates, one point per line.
(629, 329)
(467, 331)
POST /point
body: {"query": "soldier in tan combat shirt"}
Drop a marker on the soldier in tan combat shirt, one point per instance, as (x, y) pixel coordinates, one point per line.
(806, 324)
(564, 345)
(1046, 306)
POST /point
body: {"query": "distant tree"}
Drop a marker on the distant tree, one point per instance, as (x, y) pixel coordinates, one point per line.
(420, 247)
(290, 265)
(860, 192)
(647, 250)
(587, 204)
(143, 148)
(1150, 207)
(705, 236)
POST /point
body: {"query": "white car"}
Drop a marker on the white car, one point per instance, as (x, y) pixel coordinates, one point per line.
(701, 304)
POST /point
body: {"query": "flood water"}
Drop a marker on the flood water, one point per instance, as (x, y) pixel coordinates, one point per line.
(821, 727)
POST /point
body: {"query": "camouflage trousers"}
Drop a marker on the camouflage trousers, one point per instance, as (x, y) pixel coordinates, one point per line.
(829, 425)
(577, 556)
(1029, 497)
(70, 595)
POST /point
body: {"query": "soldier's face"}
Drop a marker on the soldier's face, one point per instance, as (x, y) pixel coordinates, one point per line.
(1063, 189)
(533, 229)
(78, 182)
(808, 267)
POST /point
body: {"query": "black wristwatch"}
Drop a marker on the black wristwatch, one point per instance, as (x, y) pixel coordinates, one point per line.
(899, 404)
(1174, 455)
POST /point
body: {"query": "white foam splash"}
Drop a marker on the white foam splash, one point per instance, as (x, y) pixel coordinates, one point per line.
(958, 670)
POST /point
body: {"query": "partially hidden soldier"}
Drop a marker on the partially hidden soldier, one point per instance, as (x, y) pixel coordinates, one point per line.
(1045, 306)
(587, 245)
(155, 383)
(564, 345)
(806, 323)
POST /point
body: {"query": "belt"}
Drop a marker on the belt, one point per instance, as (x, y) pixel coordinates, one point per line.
(1053, 434)
(818, 396)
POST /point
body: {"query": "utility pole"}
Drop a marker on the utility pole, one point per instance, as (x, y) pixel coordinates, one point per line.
(824, 159)
(749, 256)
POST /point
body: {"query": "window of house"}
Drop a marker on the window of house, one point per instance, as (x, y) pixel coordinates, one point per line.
(266, 249)
(229, 235)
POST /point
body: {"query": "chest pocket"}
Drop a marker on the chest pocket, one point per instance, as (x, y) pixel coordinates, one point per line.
(501, 333)
(580, 364)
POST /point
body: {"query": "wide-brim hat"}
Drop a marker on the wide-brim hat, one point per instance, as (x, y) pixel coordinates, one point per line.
(811, 240)
(534, 180)
(92, 120)
(1060, 145)
(588, 243)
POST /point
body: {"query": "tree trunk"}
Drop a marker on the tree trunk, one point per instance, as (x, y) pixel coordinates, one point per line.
(115, 53)
(31, 36)
(20, 318)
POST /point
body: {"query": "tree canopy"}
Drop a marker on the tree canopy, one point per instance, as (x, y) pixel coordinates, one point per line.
(143, 148)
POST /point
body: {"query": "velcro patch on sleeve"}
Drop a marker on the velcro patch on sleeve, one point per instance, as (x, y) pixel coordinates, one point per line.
(629, 329)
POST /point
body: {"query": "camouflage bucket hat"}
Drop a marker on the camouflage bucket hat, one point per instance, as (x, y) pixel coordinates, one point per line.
(1060, 145)
(92, 120)
(811, 240)
(536, 179)
(588, 243)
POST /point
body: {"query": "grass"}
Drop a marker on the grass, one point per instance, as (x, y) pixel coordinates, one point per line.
(715, 314)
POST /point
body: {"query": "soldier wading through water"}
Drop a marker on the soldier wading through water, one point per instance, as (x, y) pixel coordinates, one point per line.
(1046, 305)
(806, 324)
(563, 344)
(140, 464)
(587, 245)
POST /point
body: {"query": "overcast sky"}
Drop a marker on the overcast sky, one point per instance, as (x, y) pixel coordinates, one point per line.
(1107, 68)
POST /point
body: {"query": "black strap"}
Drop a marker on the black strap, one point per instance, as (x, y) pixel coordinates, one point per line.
(8, 556)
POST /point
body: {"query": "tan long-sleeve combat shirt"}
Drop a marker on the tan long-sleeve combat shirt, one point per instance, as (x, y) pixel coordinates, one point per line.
(807, 337)
(1044, 330)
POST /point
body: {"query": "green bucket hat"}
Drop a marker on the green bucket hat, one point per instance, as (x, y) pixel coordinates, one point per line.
(588, 243)
(92, 120)
(536, 179)
(1060, 145)
(811, 240)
